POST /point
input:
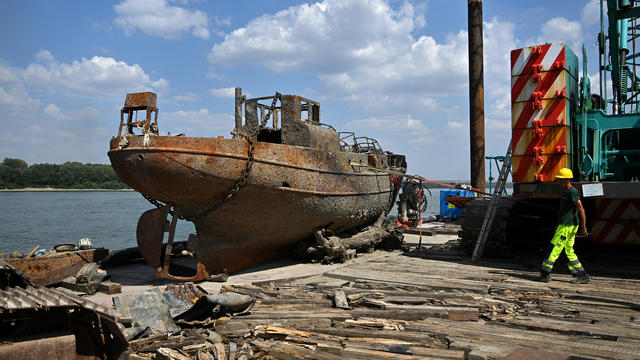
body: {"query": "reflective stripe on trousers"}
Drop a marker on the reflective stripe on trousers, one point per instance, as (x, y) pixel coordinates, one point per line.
(564, 238)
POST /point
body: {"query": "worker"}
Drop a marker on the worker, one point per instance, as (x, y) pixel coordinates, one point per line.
(571, 218)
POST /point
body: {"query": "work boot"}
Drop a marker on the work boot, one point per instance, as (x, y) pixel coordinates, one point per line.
(544, 276)
(581, 279)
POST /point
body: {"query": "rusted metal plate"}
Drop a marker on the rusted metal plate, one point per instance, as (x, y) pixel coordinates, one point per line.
(51, 269)
(29, 315)
(16, 298)
(148, 308)
(56, 346)
(141, 99)
(150, 233)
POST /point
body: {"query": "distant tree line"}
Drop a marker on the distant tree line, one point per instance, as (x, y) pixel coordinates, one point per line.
(17, 174)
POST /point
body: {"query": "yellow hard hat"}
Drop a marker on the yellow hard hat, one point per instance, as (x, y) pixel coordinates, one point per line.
(564, 173)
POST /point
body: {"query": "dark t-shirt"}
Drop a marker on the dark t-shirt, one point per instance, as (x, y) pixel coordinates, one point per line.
(568, 212)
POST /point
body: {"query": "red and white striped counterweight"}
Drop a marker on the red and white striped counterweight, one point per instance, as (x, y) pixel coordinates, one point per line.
(544, 96)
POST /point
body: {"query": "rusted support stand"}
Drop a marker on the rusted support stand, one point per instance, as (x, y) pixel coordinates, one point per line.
(150, 235)
(163, 272)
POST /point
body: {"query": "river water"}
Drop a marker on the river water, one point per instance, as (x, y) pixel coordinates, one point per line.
(109, 218)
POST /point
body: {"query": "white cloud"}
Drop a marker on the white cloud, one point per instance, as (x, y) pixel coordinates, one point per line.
(226, 93)
(101, 76)
(187, 97)
(372, 63)
(560, 29)
(72, 116)
(200, 122)
(45, 57)
(591, 13)
(389, 124)
(495, 124)
(7, 75)
(455, 125)
(17, 97)
(53, 110)
(158, 18)
(594, 80)
(421, 140)
(321, 37)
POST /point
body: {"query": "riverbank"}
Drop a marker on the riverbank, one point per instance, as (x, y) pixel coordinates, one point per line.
(58, 189)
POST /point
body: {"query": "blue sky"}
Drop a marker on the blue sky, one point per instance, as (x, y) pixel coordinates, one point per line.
(394, 70)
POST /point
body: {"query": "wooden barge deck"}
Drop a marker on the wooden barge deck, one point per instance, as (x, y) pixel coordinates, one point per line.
(444, 307)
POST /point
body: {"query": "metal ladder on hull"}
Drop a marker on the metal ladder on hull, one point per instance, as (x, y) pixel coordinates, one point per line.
(487, 223)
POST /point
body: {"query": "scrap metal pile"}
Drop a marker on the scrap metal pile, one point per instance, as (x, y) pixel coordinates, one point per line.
(41, 323)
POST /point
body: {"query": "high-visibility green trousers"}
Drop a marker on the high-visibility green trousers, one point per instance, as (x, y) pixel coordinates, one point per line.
(564, 238)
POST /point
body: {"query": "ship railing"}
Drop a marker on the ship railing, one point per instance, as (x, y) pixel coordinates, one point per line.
(359, 144)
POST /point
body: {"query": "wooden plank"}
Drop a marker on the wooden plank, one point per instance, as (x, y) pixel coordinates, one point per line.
(350, 333)
(109, 288)
(497, 335)
(328, 313)
(404, 279)
(352, 352)
(404, 347)
(86, 272)
(85, 288)
(574, 328)
(286, 351)
(340, 300)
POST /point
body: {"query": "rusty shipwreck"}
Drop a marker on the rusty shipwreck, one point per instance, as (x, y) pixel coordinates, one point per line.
(251, 197)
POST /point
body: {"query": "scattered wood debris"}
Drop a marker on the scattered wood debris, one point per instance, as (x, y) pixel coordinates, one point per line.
(328, 248)
(90, 279)
(408, 308)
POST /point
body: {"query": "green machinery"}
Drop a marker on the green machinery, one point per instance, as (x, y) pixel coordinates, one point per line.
(600, 139)
(609, 143)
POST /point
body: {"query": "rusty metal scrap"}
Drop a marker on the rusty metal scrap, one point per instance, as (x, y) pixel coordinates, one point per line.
(51, 268)
(60, 324)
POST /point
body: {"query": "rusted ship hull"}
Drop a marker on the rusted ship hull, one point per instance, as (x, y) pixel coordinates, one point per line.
(290, 191)
(253, 196)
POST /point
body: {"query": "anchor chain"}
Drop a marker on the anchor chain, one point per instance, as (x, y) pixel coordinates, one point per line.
(153, 201)
(251, 138)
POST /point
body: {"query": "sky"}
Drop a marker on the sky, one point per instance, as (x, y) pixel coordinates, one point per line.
(393, 70)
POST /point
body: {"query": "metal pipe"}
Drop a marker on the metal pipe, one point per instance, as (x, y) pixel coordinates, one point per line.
(238, 109)
(583, 137)
(476, 95)
(601, 46)
(605, 58)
